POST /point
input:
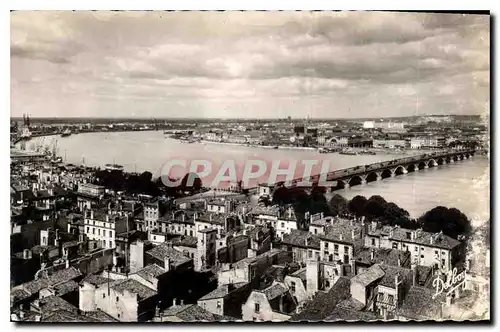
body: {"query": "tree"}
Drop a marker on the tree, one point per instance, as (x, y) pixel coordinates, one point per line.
(375, 207)
(357, 205)
(451, 222)
(338, 205)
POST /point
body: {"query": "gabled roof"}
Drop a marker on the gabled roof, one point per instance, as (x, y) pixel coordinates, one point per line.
(189, 313)
(134, 287)
(369, 276)
(324, 303)
(151, 270)
(164, 251)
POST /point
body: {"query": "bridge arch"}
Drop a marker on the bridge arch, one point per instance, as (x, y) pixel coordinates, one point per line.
(400, 170)
(355, 180)
(422, 164)
(431, 162)
(413, 167)
(373, 176)
(441, 161)
(386, 173)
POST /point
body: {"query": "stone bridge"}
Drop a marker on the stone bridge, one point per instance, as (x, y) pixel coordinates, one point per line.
(348, 177)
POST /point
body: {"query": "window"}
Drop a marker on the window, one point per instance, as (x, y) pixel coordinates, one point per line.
(292, 286)
(436, 252)
(111, 244)
(330, 258)
(93, 230)
(118, 315)
(190, 233)
(327, 284)
(326, 245)
(218, 305)
(282, 225)
(443, 252)
(257, 307)
(408, 235)
(154, 237)
(206, 226)
(103, 295)
(373, 242)
(315, 231)
(416, 248)
(394, 245)
(98, 232)
(335, 247)
(103, 243)
(422, 248)
(380, 297)
(310, 253)
(117, 299)
(110, 233)
(44, 241)
(346, 248)
(336, 272)
(421, 256)
(390, 299)
(88, 229)
(443, 262)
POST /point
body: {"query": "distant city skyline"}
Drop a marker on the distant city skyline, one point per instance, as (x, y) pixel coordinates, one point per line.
(252, 65)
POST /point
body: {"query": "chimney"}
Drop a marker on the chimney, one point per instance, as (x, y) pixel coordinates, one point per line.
(373, 226)
(167, 264)
(26, 253)
(195, 216)
(353, 234)
(432, 238)
(67, 263)
(307, 241)
(21, 314)
(399, 261)
(391, 233)
(210, 217)
(183, 217)
(372, 254)
(414, 272)
(91, 214)
(341, 237)
(182, 302)
(174, 302)
(282, 309)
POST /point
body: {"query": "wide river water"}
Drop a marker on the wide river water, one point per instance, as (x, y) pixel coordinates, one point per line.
(464, 185)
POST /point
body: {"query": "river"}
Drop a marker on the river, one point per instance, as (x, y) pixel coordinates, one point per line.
(464, 184)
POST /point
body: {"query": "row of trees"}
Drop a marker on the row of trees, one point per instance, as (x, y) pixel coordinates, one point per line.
(450, 221)
(145, 184)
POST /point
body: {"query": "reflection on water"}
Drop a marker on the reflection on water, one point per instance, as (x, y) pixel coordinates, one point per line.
(464, 184)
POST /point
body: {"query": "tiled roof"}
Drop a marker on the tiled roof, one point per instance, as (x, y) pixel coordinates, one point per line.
(63, 316)
(274, 291)
(298, 238)
(346, 315)
(134, 287)
(386, 255)
(57, 277)
(100, 316)
(190, 313)
(324, 303)
(164, 251)
(18, 294)
(302, 274)
(419, 304)
(390, 273)
(369, 276)
(151, 270)
(186, 241)
(95, 280)
(66, 287)
(221, 291)
(342, 231)
(438, 240)
(55, 303)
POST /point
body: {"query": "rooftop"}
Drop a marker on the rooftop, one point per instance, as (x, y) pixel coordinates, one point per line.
(369, 276)
(190, 313)
(438, 240)
(324, 303)
(301, 238)
(381, 255)
(412, 307)
(134, 287)
(222, 291)
(165, 251)
(151, 270)
(344, 231)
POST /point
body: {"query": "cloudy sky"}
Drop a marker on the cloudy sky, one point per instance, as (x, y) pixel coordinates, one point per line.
(251, 65)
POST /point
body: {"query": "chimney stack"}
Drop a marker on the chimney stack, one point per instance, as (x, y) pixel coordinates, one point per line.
(182, 302)
(372, 254)
(414, 272)
(353, 234)
(174, 302)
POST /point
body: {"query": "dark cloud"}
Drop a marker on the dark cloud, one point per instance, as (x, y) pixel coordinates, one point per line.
(339, 58)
